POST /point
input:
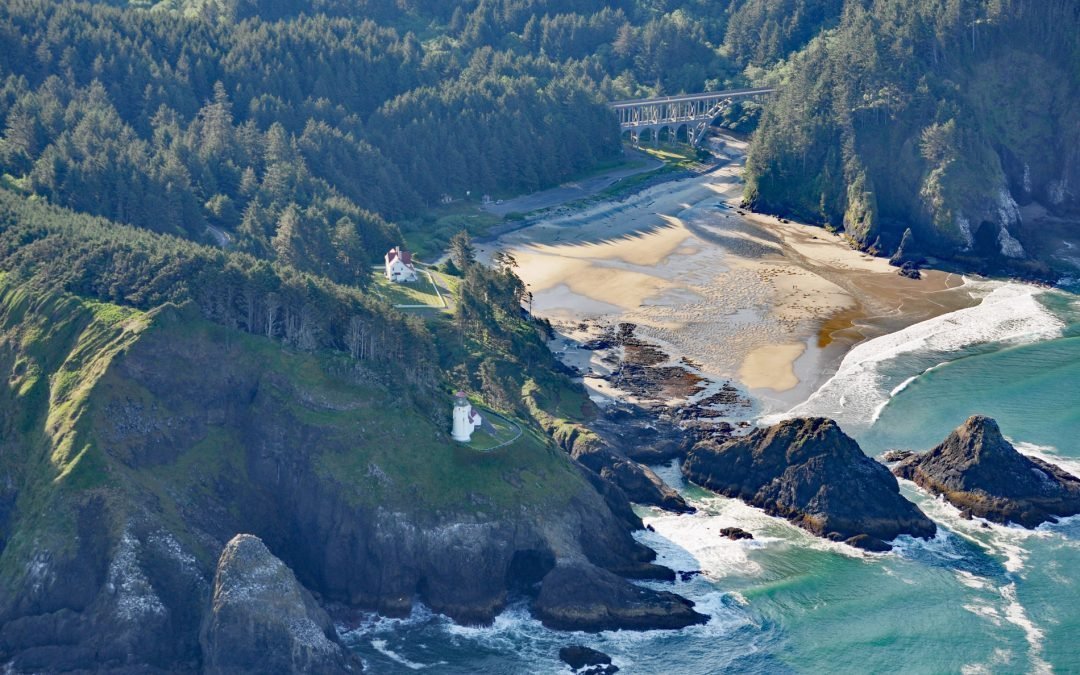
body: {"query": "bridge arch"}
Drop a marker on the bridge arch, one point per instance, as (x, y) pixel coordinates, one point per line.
(651, 117)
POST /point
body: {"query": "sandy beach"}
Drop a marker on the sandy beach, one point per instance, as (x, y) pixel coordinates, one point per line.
(730, 295)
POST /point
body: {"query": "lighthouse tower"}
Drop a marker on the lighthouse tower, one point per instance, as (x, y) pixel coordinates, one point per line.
(465, 419)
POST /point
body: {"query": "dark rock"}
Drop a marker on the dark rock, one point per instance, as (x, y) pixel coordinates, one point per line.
(261, 620)
(905, 250)
(910, 270)
(868, 543)
(896, 455)
(735, 533)
(689, 574)
(578, 657)
(127, 605)
(642, 485)
(810, 472)
(579, 596)
(981, 473)
(598, 344)
(640, 435)
(638, 482)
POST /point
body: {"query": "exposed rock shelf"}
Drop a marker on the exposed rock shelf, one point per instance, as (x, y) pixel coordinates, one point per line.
(584, 597)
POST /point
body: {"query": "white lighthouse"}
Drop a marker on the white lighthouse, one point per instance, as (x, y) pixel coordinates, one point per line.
(465, 419)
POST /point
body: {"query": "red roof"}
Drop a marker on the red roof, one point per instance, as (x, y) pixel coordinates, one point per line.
(392, 255)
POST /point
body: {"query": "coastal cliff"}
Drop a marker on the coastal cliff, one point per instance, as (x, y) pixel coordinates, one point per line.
(136, 444)
(813, 474)
(923, 131)
(981, 473)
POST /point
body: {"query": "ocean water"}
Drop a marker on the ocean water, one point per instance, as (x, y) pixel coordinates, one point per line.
(979, 598)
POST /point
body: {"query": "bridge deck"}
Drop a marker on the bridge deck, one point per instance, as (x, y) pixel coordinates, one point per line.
(685, 98)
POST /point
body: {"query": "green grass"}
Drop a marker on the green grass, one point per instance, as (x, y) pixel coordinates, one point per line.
(368, 431)
(429, 234)
(676, 159)
(495, 431)
(679, 155)
(58, 347)
(381, 447)
(380, 443)
(602, 168)
(420, 292)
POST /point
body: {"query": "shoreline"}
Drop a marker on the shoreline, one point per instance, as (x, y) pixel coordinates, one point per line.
(730, 296)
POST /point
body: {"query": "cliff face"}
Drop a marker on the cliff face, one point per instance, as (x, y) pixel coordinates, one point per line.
(940, 122)
(980, 472)
(810, 472)
(136, 445)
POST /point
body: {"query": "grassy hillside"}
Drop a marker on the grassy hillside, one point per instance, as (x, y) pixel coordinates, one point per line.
(134, 443)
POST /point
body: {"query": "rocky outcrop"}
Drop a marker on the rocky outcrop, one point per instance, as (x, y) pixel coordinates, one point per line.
(261, 620)
(640, 434)
(637, 481)
(735, 533)
(586, 661)
(981, 473)
(892, 456)
(579, 596)
(810, 472)
(642, 485)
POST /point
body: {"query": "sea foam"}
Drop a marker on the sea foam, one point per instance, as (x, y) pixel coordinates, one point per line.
(857, 393)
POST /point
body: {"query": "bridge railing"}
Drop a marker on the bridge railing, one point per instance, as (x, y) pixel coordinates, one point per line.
(695, 111)
(713, 95)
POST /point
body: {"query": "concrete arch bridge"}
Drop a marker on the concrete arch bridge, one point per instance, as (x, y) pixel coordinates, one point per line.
(678, 118)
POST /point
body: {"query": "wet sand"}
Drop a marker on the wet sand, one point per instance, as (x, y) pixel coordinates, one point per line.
(744, 297)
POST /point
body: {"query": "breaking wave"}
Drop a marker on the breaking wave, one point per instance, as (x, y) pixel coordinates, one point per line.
(860, 389)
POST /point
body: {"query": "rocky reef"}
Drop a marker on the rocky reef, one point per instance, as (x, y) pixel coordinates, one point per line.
(137, 444)
(813, 474)
(586, 661)
(584, 597)
(981, 473)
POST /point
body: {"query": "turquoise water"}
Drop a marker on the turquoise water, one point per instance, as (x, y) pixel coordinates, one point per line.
(976, 599)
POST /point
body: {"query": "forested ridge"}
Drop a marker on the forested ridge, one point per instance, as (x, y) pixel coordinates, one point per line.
(303, 130)
(300, 131)
(921, 128)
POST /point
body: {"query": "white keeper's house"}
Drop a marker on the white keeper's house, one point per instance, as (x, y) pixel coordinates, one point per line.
(399, 265)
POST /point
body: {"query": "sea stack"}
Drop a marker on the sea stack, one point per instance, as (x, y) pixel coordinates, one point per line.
(816, 476)
(981, 473)
(261, 620)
